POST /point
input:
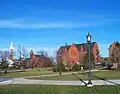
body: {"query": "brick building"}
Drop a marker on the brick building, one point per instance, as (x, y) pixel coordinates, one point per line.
(74, 53)
(112, 46)
(39, 60)
(114, 54)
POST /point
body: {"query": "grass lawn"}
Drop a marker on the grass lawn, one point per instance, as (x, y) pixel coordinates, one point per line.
(97, 67)
(104, 74)
(34, 72)
(52, 89)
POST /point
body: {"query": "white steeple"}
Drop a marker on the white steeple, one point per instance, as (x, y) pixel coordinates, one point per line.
(11, 46)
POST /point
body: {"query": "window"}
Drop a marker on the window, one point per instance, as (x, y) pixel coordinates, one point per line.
(73, 53)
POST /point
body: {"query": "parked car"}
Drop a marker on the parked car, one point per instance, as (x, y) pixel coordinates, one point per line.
(104, 64)
(107, 64)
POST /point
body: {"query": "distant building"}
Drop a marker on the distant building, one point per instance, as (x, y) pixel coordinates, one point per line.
(39, 60)
(112, 46)
(74, 53)
(12, 61)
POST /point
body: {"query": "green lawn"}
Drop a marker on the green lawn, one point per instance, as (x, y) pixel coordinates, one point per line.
(97, 67)
(103, 74)
(52, 89)
(34, 72)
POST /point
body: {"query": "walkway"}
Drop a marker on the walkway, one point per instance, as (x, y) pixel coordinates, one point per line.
(23, 80)
(54, 82)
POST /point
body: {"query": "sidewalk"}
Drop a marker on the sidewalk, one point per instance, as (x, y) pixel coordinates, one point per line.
(23, 80)
(54, 82)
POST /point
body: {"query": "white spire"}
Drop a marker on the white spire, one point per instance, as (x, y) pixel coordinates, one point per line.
(11, 46)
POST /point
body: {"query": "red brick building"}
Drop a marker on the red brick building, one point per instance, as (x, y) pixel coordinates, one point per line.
(112, 46)
(74, 53)
(39, 60)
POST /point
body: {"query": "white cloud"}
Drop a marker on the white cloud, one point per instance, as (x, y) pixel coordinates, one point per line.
(9, 24)
(83, 20)
(21, 23)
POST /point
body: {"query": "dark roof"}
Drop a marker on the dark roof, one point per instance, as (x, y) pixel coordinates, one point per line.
(37, 55)
(40, 56)
(78, 46)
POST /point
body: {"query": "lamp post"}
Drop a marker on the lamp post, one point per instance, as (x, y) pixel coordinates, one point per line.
(89, 59)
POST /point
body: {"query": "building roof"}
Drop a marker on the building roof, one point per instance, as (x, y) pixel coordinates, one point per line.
(41, 57)
(78, 46)
(41, 60)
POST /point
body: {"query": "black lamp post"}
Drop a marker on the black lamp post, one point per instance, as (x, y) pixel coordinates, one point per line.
(89, 59)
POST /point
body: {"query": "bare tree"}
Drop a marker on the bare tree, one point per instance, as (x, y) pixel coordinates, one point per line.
(32, 61)
(22, 52)
(52, 60)
(25, 54)
(19, 51)
(4, 57)
(84, 58)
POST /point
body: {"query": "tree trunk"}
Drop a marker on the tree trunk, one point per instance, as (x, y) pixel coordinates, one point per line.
(85, 66)
(94, 65)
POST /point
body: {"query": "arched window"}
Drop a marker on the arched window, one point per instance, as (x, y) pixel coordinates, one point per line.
(73, 53)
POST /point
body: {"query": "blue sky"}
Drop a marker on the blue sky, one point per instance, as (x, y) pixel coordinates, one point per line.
(47, 24)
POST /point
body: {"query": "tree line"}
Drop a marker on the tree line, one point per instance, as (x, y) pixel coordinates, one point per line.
(21, 51)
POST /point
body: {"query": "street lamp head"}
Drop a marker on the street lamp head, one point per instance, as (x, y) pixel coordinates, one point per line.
(88, 37)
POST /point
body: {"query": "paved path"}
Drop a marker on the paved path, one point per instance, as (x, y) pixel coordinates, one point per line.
(23, 80)
(54, 82)
(12, 71)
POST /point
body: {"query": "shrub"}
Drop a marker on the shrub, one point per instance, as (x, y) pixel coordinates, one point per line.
(56, 68)
(5, 72)
(76, 67)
